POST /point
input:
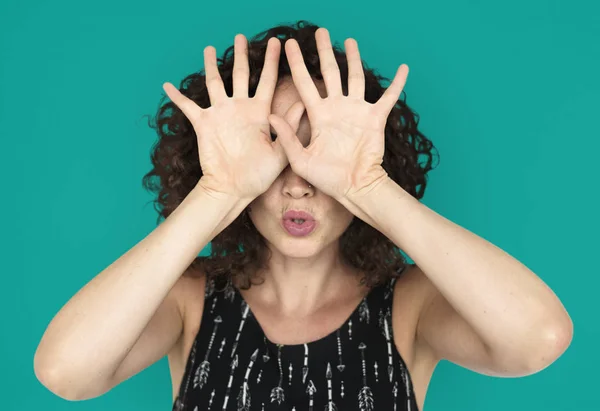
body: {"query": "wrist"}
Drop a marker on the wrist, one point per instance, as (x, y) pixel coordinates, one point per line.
(368, 191)
(208, 191)
(229, 207)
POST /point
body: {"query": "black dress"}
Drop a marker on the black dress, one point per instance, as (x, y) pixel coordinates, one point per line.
(233, 366)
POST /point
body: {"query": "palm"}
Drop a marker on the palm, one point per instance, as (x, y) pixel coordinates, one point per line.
(341, 140)
(235, 149)
(244, 123)
(347, 143)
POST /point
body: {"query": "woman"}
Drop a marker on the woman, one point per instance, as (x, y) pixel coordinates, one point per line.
(300, 305)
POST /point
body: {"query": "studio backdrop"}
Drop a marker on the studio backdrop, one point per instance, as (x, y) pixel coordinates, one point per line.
(507, 91)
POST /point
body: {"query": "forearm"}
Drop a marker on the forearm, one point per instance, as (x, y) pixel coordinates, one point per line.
(496, 294)
(99, 325)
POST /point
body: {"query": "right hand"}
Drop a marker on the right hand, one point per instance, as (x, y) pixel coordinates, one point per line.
(237, 155)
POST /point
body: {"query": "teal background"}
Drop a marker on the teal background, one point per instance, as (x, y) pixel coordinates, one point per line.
(508, 92)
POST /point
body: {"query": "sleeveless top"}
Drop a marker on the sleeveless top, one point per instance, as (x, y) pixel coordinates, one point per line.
(233, 366)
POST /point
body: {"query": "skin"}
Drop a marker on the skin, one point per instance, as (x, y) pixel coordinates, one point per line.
(465, 300)
(311, 264)
(308, 292)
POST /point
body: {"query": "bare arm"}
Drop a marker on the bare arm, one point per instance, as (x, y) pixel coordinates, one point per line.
(484, 309)
(130, 304)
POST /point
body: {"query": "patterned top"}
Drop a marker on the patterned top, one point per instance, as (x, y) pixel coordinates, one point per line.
(233, 366)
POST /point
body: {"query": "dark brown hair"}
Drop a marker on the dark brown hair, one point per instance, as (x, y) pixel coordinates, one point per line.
(239, 250)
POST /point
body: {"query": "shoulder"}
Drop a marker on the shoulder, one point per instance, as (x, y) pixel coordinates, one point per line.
(191, 298)
(412, 291)
(189, 293)
(410, 295)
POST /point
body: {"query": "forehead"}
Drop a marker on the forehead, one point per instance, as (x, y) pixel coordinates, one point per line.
(287, 94)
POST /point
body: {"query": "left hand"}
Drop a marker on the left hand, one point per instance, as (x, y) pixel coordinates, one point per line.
(347, 141)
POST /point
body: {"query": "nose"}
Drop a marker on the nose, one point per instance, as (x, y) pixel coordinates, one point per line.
(295, 186)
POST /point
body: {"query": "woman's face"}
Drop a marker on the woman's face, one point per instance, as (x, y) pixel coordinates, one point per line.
(291, 192)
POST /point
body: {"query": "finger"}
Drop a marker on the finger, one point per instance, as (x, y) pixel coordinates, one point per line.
(282, 158)
(241, 72)
(189, 108)
(329, 67)
(356, 74)
(390, 97)
(268, 77)
(290, 144)
(294, 115)
(214, 82)
(302, 79)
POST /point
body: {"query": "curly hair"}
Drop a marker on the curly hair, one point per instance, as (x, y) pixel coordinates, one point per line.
(239, 251)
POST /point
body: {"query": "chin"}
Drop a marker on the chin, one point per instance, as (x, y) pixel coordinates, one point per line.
(298, 255)
(299, 245)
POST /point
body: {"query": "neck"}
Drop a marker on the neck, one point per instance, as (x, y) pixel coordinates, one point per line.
(298, 287)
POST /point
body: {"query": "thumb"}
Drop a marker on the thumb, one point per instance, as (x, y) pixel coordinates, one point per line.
(294, 114)
(287, 141)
